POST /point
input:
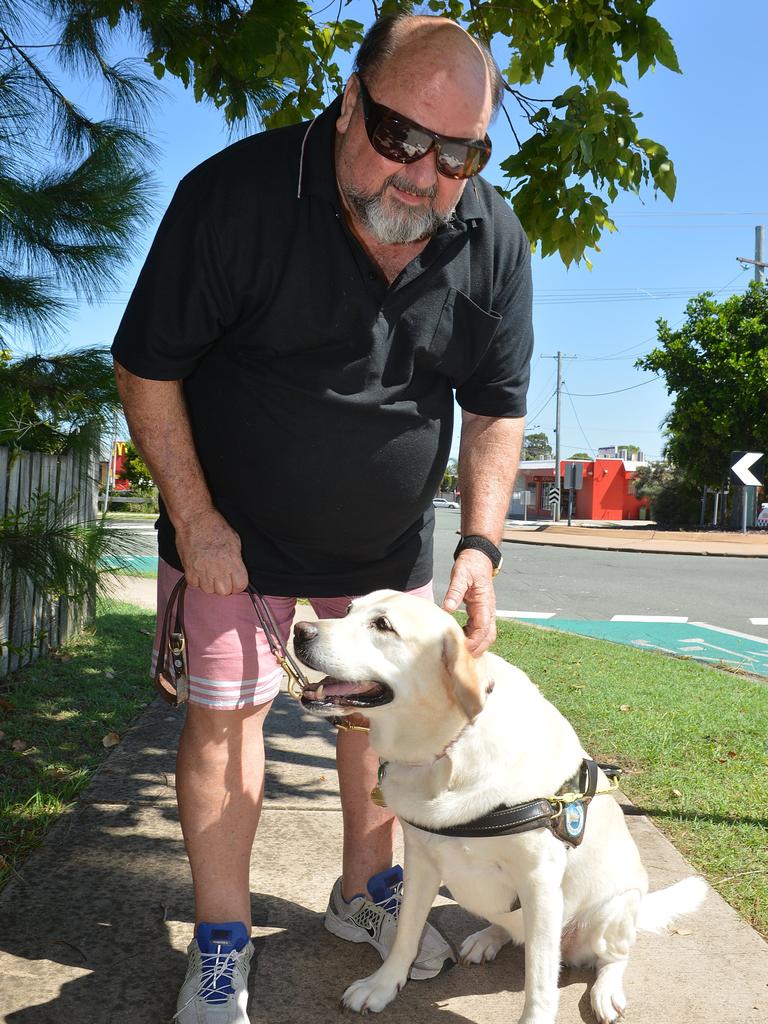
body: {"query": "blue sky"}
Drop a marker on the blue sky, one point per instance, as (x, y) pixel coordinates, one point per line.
(711, 118)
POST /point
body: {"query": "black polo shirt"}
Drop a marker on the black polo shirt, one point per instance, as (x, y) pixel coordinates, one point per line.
(320, 398)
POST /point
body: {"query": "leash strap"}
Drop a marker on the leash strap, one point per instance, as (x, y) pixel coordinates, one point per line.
(172, 674)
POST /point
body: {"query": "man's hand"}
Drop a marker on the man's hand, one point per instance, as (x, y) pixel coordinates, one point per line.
(209, 550)
(472, 583)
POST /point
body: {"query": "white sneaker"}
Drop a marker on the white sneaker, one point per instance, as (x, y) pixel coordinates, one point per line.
(215, 990)
(375, 921)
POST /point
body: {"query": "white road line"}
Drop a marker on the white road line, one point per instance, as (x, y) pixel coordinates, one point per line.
(731, 632)
(759, 622)
(500, 614)
(649, 618)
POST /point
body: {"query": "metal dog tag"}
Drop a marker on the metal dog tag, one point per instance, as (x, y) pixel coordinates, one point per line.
(569, 824)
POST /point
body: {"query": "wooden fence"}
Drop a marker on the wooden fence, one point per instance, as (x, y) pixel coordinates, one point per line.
(31, 623)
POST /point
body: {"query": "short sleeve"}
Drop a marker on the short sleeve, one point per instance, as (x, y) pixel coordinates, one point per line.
(499, 384)
(181, 303)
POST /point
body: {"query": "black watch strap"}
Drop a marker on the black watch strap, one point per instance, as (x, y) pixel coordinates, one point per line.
(478, 543)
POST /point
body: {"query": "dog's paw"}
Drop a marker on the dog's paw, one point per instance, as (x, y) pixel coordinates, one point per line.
(372, 994)
(483, 945)
(608, 1003)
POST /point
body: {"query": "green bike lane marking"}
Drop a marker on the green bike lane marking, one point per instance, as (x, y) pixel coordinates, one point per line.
(697, 640)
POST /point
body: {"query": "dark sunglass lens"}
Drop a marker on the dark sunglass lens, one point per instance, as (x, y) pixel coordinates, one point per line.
(400, 141)
(459, 160)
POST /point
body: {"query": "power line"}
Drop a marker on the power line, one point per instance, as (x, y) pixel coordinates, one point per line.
(600, 394)
(583, 433)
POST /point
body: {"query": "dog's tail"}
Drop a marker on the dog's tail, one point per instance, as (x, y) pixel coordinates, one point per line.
(660, 908)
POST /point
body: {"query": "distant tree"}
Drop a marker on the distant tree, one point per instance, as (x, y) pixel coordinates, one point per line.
(633, 449)
(450, 476)
(580, 455)
(673, 498)
(135, 471)
(716, 367)
(536, 446)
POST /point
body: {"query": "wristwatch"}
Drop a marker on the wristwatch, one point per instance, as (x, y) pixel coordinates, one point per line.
(478, 543)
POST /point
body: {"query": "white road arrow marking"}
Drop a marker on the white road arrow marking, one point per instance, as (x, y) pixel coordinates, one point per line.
(741, 468)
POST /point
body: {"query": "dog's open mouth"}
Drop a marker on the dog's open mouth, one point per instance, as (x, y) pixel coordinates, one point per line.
(335, 694)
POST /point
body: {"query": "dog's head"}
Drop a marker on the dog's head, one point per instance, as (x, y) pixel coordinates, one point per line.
(392, 654)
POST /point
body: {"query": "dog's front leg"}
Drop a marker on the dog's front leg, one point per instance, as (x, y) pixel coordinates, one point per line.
(420, 886)
(542, 903)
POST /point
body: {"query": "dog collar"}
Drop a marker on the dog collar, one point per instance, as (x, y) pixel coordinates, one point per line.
(564, 814)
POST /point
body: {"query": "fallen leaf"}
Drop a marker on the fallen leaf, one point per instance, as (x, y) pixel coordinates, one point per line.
(5, 704)
(109, 673)
(625, 707)
(3, 864)
(58, 773)
(110, 740)
(732, 754)
(19, 745)
(676, 793)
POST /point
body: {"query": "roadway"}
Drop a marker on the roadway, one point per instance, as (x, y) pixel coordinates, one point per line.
(569, 586)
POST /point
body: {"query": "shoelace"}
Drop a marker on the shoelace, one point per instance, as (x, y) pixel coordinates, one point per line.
(215, 966)
(391, 904)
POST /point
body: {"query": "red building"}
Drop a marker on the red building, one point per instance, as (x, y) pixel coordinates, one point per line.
(114, 467)
(606, 490)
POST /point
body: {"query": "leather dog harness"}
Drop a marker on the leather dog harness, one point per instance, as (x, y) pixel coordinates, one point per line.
(564, 814)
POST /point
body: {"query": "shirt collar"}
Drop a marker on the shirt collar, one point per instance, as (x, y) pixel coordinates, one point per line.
(317, 169)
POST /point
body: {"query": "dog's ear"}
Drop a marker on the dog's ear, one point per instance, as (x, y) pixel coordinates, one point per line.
(465, 680)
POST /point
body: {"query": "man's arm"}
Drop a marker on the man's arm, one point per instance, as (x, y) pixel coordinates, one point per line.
(488, 460)
(208, 547)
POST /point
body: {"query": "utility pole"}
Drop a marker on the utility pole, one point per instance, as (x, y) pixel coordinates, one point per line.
(556, 508)
(560, 357)
(759, 261)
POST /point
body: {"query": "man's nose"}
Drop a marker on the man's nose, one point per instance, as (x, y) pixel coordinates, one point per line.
(304, 631)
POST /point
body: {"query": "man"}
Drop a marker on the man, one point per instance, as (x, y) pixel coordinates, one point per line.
(287, 364)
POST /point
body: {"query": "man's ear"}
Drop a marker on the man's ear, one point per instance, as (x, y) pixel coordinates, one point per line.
(465, 682)
(349, 101)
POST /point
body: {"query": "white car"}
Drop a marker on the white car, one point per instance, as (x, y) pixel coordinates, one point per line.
(444, 503)
(761, 522)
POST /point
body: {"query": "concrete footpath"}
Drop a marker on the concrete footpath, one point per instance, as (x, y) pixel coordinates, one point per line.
(94, 928)
(608, 537)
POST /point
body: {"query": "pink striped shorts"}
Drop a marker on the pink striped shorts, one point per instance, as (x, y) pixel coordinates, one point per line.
(230, 663)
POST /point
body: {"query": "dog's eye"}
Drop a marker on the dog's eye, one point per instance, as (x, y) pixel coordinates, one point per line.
(383, 625)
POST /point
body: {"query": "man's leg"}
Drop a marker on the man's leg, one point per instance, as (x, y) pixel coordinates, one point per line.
(369, 830)
(220, 787)
(220, 763)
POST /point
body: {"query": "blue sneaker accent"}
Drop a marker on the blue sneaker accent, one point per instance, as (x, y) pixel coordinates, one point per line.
(386, 887)
(215, 942)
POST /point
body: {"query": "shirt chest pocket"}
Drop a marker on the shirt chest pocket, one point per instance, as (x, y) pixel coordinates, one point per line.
(462, 336)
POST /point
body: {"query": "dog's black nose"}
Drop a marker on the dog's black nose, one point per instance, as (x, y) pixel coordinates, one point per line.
(304, 631)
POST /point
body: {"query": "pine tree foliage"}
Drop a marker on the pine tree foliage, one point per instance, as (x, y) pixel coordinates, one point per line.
(57, 403)
(72, 188)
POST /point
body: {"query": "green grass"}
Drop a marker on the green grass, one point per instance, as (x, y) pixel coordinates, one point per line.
(692, 740)
(62, 707)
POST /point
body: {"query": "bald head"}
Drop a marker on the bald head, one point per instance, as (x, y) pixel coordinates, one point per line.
(395, 46)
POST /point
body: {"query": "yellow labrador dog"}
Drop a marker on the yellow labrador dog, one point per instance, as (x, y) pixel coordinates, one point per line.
(496, 797)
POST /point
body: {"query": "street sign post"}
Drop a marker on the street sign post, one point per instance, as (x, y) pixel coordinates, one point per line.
(573, 480)
(747, 469)
(554, 501)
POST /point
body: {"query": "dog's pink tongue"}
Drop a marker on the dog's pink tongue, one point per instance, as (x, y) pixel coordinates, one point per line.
(339, 687)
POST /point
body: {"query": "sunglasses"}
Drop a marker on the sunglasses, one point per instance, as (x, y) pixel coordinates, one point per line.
(400, 139)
